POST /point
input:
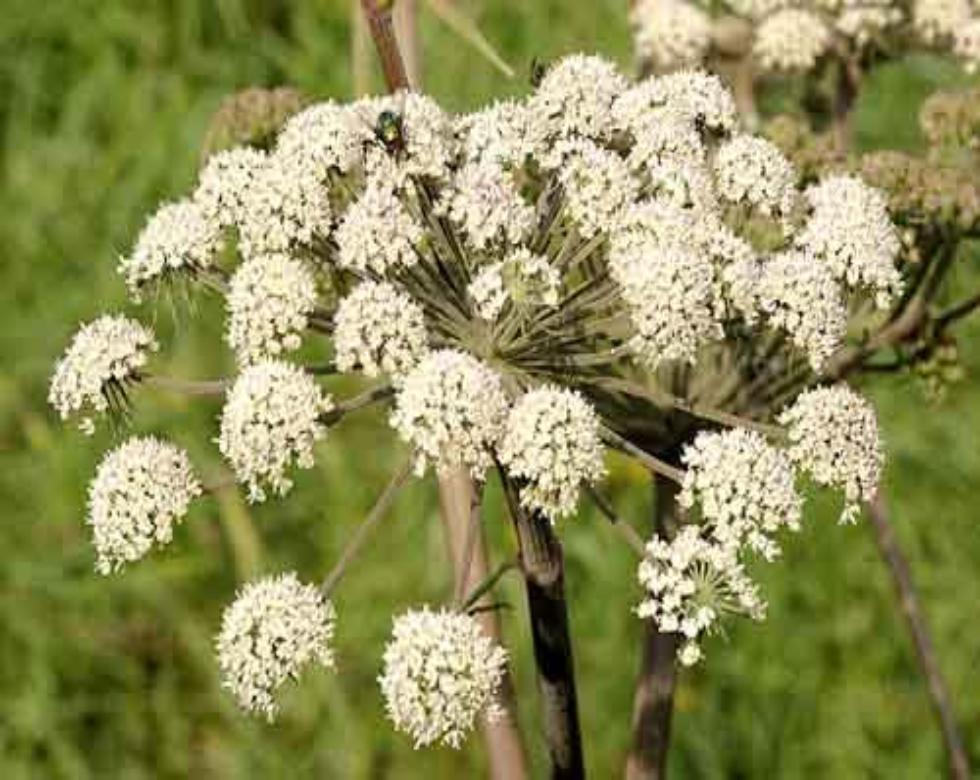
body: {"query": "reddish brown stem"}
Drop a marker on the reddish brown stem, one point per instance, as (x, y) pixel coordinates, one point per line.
(378, 14)
(959, 767)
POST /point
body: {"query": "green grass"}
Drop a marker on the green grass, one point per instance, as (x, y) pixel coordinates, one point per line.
(102, 108)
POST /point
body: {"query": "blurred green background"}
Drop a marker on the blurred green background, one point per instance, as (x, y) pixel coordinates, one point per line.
(102, 108)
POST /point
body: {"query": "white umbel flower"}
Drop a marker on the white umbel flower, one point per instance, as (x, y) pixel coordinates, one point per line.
(863, 21)
(325, 138)
(501, 133)
(270, 421)
(670, 34)
(286, 208)
(485, 202)
(441, 673)
(697, 96)
(576, 96)
(178, 238)
(792, 39)
(753, 171)
(273, 630)
(377, 232)
(524, 278)
(597, 184)
(744, 488)
(552, 446)
(834, 437)
(270, 299)
(691, 582)
(850, 231)
(966, 44)
(451, 408)
(140, 491)
(937, 20)
(799, 295)
(224, 183)
(379, 329)
(670, 295)
(488, 292)
(103, 356)
(429, 143)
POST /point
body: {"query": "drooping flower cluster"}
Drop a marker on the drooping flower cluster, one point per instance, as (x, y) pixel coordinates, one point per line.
(834, 435)
(140, 491)
(104, 356)
(271, 420)
(180, 237)
(274, 629)
(552, 446)
(441, 673)
(691, 582)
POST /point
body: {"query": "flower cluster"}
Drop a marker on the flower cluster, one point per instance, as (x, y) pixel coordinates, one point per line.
(140, 490)
(797, 35)
(103, 357)
(691, 582)
(270, 299)
(451, 408)
(522, 279)
(441, 672)
(834, 435)
(274, 629)
(552, 446)
(670, 33)
(180, 237)
(379, 330)
(744, 488)
(271, 419)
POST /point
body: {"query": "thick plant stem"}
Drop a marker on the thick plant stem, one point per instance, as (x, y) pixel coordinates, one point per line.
(543, 565)
(378, 14)
(653, 702)
(959, 767)
(505, 751)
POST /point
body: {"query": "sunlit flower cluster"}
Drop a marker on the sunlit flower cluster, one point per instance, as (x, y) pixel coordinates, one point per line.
(140, 491)
(691, 583)
(379, 330)
(179, 237)
(850, 232)
(451, 408)
(524, 285)
(270, 299)
(552, 447)
(753, 171)
(270, 421)
(834, 438)
(743, 487)
(104, 356)
(441, 673)
(273, 630)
